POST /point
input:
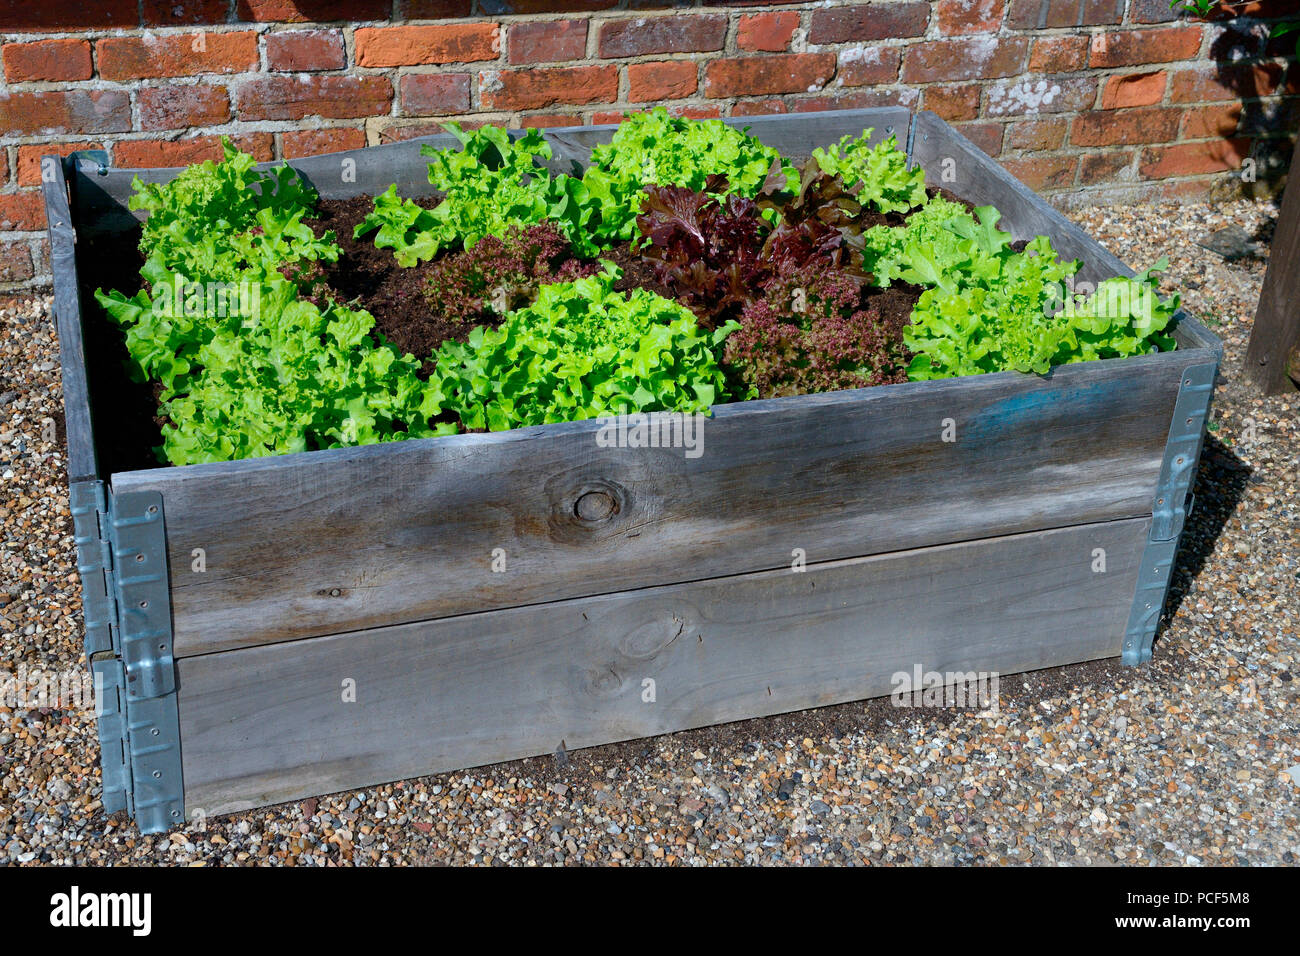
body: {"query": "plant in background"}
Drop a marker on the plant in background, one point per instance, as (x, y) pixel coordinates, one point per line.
(222, 221)
(489, 185)
(582, 350)
(879, 174)
(656, 149)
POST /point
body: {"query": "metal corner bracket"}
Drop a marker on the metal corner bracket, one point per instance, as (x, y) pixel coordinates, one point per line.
(1170, 508)
(122, 559)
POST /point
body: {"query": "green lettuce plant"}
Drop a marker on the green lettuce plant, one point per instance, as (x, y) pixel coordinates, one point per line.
(887, 183)
(656, 149)
(283, 375)
(989, 308)
(581, 350)
(489, 185)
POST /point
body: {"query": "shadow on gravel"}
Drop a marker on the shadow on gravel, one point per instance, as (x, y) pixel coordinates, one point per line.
(1220, 486)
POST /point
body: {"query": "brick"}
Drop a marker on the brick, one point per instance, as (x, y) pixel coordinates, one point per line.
(305, 51)
(439, 43)
(432, 9)
(23, 211)
(57, 113)
(1140, 47)
(1192, 159)
(868, 65)
(178, 107)
(184, 13)
(547, 41)
(769, 75)
(549, 120)
(953, 103)
(1037, 135)
(1043, 172)
(696, 112)
(496, 8)
(1281, 119)
(668, 80)
(312, 11)
(434, 94)
(535, 89)
(987, 136)
(53, 61)
(1220, 122)
(1031, 15)
(758, 108)
(18, 16)
(332, 97)
(1137, 89)
(651, 36)
(969, 16)
(153, 153)
(856, 100)
(1043, 94)
(4, 165)
(176, 54)
(976, 58)
(1109, 166)
(872, 21)
(15, 262)
(1152, 11)
(399, 133)
(601, 117)
(1125, 127)
(767, 32)
(315, 142)
(1226, 82)
(1059, 54)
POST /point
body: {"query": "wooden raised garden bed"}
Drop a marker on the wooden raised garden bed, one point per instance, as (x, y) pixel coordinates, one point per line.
(230, 607)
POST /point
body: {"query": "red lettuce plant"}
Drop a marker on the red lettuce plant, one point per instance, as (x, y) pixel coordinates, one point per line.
(496, 275)
(809, 319)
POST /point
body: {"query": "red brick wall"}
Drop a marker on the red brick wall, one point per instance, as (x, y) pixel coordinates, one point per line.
(1082, 99)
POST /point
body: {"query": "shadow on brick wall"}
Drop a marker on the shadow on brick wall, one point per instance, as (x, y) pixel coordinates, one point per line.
(1237, 52)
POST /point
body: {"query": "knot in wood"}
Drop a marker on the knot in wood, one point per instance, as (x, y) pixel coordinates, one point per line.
(594, 506)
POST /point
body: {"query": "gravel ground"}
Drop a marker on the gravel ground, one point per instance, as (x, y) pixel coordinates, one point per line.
(1183, 761)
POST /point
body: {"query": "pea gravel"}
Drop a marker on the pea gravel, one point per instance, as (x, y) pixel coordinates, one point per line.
(1184, 761)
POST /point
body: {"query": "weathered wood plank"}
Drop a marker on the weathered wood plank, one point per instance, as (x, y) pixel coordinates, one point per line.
(323, 542)
(269, 724)
(1273, 355)
(954, 162)
(78, 425)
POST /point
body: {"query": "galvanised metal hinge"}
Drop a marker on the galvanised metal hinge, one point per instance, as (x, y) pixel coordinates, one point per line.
(1172, 505)
(122, 557)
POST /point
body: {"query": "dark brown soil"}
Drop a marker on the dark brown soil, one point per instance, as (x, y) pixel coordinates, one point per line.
(947, 194)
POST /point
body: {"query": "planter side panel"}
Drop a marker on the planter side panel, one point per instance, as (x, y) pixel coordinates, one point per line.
(268, 724)
(319, 543)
